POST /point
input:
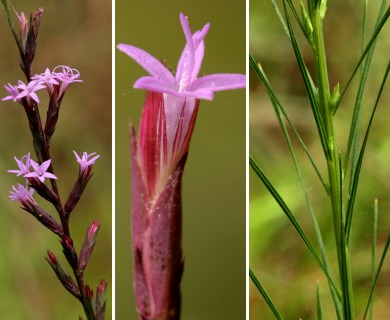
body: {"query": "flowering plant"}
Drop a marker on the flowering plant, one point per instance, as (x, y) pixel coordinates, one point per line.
(328, 141)
(36, 173)
(158, 159)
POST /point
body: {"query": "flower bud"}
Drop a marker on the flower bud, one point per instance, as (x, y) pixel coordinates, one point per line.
(69, 251)
(88, 245)
(32, 35)
(101, 295)
(62, 275)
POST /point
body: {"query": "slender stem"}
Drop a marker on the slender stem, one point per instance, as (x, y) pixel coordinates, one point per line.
(333, 159)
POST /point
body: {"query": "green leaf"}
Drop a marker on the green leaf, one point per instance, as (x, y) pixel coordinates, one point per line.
(366, 50)
(356, 173)
(319, 304)
(309, 85)
(354, 133)
(265, 295)
(292, 219)
(377, 276)
(278, 107)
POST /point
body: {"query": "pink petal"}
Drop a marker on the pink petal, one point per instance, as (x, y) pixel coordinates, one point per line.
(49, 175)
(202, 93)
(45, 165)
(220, 81)
(34, 96)
(77, 156)
(31, 175)
(198, 45)
(149, 63)
(186, 62)
(153, 84)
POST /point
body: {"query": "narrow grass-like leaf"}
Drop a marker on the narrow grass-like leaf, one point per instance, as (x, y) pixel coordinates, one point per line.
(356, 174)
(296, 16)
(292, 219)
(319, 304)
(277, 106)
(377, 276)
(278, 13)
(354, 133)
(265, 295)
(309, 85)
(365, 52)
(278, 109)
(373, 255)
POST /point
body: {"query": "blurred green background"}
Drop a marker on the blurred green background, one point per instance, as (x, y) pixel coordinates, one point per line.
(213, 284)
(78, 34)
(277, 254)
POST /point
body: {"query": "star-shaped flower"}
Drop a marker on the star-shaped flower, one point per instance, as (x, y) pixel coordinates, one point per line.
(186, 83)
(48, 78)
(40, 171)
(24, 165)
(85, 160)
(29, 90)
(66, 76)
(13, 93)
(21, 194)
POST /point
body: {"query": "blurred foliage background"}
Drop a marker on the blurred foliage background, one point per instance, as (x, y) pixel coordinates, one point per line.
(78, 34)
(277, 254)
(213, 285)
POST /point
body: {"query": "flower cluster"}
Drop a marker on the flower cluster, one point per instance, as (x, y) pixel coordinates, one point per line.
(39, 170)
(56, 82)
(36, 174)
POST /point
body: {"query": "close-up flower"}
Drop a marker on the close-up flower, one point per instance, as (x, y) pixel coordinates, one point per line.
(86, 159)
(22, 194)
(40, 171)
(29, 91)
(158, 157)
(24, 165)
(177, 105)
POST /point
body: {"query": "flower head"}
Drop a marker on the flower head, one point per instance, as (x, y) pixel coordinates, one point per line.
(21, 193)
(13, 93)
(47, 78)
(61, 77)
(86, 160)
(66, 76)
(40, 171)
(24, 195)
(29, 91)
(186, 83)
(23, 91)
(24, 165)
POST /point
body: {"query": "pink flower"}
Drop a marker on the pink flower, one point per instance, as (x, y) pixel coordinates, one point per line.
(28, 91)
(186, 83)
(86, 160)
(23, 195)
(170, 111)
(24, 165)
(66, 77)
(158, 159)
(13, 93)
(47, 78)
(40, 171)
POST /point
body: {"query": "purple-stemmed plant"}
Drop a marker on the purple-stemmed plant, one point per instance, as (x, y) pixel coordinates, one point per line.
(35, 173)
(158, 157)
